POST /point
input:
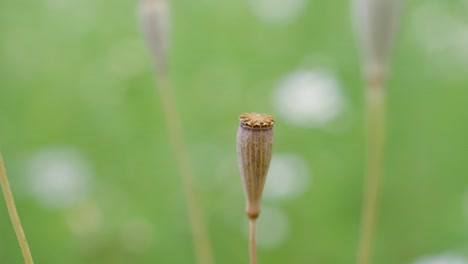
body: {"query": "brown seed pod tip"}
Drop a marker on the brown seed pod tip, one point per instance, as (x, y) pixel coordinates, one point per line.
(256, 121)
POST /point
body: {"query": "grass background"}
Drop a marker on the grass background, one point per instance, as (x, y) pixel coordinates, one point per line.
(76, 73)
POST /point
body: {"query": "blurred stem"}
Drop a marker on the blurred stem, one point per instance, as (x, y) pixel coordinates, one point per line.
(375, 100)
(252, 240)
(14, 214)
(200, 237)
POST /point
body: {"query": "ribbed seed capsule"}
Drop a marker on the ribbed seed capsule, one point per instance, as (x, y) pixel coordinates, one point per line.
(254, 148)
(375, 23)
(155, 26)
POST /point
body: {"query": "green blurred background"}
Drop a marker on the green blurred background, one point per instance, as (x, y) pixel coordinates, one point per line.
(93, 174)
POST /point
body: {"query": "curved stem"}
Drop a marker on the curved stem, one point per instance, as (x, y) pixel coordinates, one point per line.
(375, 143)
(14, 214)
(252, 240)
(200, 236)
(155, 24)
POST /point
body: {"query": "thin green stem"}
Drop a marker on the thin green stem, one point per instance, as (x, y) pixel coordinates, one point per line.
(14, 214)
(200, 236)
(375, 144)
(252, 240)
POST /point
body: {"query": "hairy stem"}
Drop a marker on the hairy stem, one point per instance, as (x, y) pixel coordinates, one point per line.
(252, 240)
(201, 240)
(14, 214)
(375, 143)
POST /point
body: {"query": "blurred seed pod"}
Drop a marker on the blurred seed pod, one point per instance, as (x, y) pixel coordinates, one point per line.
(375, 23)
(155, 26)
(254, 149)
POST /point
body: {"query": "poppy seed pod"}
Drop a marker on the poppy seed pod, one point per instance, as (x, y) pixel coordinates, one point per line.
(375, 23)
(155, 25)
(254, 149)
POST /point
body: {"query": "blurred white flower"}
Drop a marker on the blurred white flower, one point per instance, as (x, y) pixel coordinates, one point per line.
(59, 177)
(442, 259)
(442, 35)
(277, 11)
(309, 98)
(288, 177)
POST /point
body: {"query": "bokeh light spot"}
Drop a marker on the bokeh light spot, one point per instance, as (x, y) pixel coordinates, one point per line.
(78, 16)
(443, 36)
(59, 177)
(277, 11)
(442, 259)
(309, 98)
(288, 177)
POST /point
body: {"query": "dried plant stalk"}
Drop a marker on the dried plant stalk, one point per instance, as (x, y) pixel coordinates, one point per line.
(375, 149)
(14, 214)
(254, 150)
(154, 23)
(252, 240)
(375, 24)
